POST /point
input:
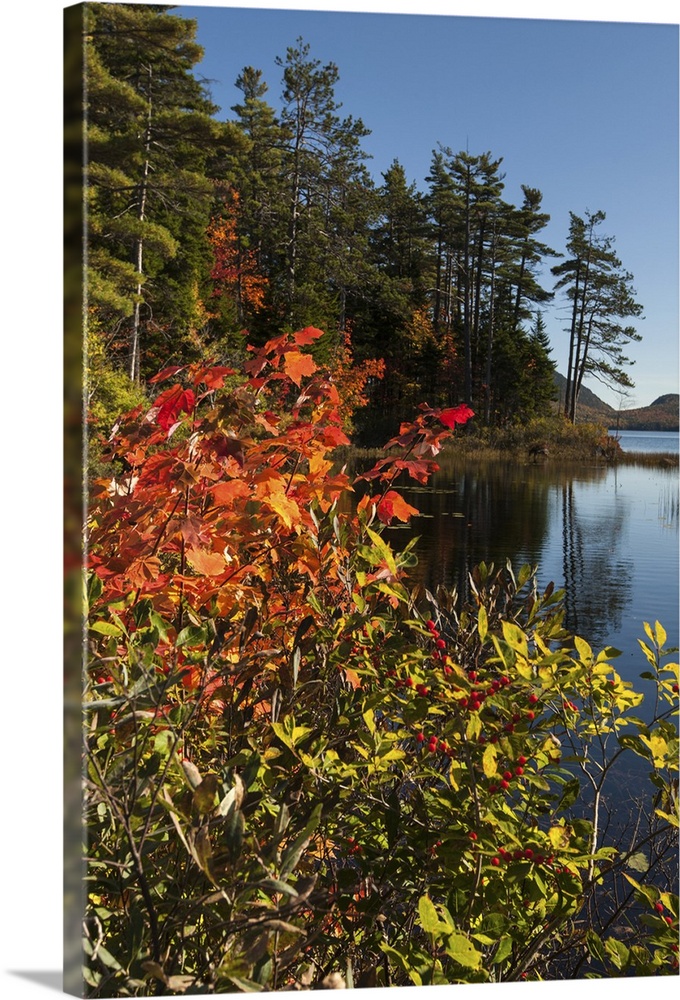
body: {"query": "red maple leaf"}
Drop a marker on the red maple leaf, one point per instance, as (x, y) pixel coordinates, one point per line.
(456, 415)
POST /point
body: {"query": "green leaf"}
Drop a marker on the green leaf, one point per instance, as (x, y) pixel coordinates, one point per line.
(482, 623)
(95, 588)
(638, 862)
(401, 960)
(503, 950)
(192, 635)
(245, 985)
(295, 850)
(515, 637)
(595, 946)
(462, 950)
(159, 624)
(428, 916)
(204, 795)
(106, 628)
(618, 952)
(276, 885)
(569, 794)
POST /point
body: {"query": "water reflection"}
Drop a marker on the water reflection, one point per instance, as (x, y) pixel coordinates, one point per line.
(607, 535)
(596, 574)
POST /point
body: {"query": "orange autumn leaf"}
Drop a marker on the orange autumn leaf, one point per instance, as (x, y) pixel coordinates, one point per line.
(287, 509)
(393, 505)
(143, 570)
(307, 336)
(225, 493)
(206, 563)
(352, 677)
(296, 365)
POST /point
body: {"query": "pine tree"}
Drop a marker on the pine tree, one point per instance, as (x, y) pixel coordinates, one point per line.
(601, 295)
(150, 135)
(322, 156)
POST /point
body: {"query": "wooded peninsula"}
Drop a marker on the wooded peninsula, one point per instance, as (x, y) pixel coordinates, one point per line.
(207, 233)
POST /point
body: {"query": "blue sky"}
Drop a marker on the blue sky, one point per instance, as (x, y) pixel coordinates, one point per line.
(586, 111)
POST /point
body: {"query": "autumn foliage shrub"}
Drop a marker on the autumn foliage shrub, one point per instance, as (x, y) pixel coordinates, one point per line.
(301, 774)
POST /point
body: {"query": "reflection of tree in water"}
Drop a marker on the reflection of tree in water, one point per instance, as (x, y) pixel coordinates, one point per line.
(596, 579)
(475, 512)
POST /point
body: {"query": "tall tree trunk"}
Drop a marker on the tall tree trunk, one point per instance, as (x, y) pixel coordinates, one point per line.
(579, 354)
(490, 333)
(134, 357)
(467, 331)
(572, 345)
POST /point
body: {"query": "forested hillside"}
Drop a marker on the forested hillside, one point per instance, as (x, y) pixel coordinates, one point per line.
(209, 229)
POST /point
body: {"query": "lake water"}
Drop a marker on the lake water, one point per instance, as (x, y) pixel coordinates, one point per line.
(608, 535)
(648, 441)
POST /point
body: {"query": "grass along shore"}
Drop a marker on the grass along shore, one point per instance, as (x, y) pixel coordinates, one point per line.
(546, 440)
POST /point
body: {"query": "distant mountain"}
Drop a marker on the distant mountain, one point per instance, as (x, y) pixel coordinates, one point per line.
(661, 415)
(586, 398)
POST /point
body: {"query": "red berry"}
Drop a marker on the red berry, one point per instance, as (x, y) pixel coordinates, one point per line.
(495, 862)
(463, 703)
(493, 789)
(532, 699)
(443, 745)
(658, 907)
(420, 737)
(430, 624)
(531, 716)
(675, 688)
(669, 921)
(493, 739)
(472, 835)
(516, 717)
(409, 682)
(517, 855)
(528, 853)
(507, 775)
(505, 784)
(440, 644)
(473, 675)
(519, 771)
(521, 760)
(509, 728)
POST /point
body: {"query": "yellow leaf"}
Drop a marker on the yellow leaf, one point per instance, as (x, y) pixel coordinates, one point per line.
(559, 836)
(285, 507)
(489, 761)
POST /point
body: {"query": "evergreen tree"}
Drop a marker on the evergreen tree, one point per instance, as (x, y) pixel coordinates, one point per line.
(150, 135)
(601, 295)
(257, 169)
(441, 206)
(320, 149)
